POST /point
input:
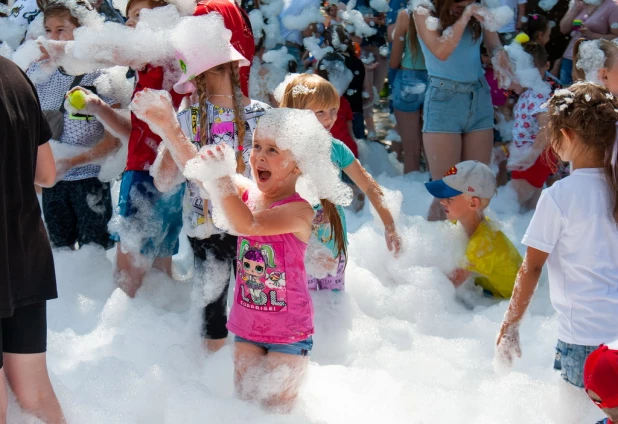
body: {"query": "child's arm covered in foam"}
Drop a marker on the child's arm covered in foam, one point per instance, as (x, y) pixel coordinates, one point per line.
(372, 189)
(525, 285)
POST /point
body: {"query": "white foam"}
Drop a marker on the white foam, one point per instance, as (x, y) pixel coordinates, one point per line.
(308, 16)
(525, 73)
(338, 74)
(11, 32)
(591, 60)
(547, 5)
(496, 17)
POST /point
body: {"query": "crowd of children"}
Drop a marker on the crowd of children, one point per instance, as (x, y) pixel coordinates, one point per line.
(205, 157)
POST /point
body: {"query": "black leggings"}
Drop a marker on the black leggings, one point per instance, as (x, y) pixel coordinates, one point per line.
(25, 331)
(78, 211)
(218, 251)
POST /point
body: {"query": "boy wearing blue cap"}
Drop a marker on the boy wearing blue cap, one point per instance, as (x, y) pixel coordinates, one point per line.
(465, 192)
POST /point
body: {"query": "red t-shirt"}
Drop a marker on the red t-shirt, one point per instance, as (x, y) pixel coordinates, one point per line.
(340, 130)
(236, 20)
(143, 143)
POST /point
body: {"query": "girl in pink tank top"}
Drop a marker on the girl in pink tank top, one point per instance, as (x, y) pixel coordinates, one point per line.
(272, 312)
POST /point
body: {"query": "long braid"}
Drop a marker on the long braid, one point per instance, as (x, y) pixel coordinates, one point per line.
(202, 91)
(239, 109)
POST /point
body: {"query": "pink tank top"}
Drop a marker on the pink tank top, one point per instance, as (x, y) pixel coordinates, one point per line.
(271, 301)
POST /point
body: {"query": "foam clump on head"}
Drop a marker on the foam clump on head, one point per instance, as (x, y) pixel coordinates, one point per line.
(525, 73)
(591, 60)
(300, 132)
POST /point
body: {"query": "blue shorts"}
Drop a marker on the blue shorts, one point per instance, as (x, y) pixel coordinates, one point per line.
(570, 359)
(301, 348)
(147, 211)
(409, 89)
(457, 107)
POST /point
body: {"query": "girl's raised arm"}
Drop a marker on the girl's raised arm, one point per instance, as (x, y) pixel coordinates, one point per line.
(372, 189)
(155, 108)
(442, 45)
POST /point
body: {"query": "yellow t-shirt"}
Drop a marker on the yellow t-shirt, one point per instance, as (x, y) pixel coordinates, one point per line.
(495, 260)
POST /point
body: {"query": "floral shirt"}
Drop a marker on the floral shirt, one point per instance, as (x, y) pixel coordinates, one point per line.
(526, 127)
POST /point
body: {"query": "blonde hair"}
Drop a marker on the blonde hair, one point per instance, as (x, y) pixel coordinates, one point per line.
(307, 91)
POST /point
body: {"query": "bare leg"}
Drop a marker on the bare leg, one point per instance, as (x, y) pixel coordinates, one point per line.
(534, 199)
(213, 345)
(478, 146)
(443, 152)
(28, 377)
(380, 73)
(409, 127)
(289, 380)
(130, 270)
(248, 369)
(525, 192)
(397, 148)
(164, 265)
(502, 177)
(4, 399)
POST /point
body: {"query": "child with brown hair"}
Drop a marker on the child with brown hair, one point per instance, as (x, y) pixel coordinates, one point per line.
(575, 231)
(222, 115)
(79, 206)
(314, 93)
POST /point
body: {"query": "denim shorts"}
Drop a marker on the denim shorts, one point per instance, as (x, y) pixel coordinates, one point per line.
(301, 348)
(156, 215)
(409, 90)
(457, 107)
(570, 359)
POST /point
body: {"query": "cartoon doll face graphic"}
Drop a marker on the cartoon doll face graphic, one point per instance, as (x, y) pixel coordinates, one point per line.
(254, 268)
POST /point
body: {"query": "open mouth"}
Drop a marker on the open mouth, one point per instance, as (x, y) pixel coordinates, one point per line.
(263, 175)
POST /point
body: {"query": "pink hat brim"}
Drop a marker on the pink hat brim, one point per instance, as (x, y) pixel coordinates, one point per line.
(184, 85)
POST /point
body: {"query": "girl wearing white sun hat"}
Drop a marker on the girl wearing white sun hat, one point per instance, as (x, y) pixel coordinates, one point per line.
(210, 69)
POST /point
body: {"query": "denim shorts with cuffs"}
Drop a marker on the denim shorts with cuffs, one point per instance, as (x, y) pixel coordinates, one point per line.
(301, 348)
(570, 360)
(409, 87)
(454, 107)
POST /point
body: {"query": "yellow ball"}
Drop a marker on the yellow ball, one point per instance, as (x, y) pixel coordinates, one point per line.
(77, 99)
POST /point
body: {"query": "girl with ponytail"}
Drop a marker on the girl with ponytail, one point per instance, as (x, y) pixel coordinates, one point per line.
(314, 93)
(575, 231)
(222, 115)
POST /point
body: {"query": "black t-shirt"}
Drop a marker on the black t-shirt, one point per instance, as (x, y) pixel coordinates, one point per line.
(26, 263)
(355, 90)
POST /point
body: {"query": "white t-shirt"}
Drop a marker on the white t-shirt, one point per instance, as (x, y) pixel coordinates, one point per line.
(513, 4)
(573, 222)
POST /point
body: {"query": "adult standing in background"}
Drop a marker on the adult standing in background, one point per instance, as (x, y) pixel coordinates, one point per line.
(458, 116)
(27, 275)
(510, 30)
(408, 89)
